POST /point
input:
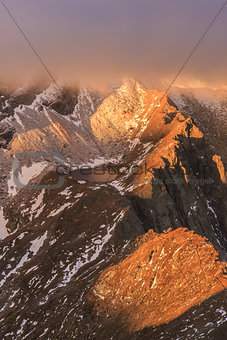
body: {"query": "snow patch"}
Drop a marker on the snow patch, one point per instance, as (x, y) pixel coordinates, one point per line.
(62, 208)
(37, 244)
(3, 231)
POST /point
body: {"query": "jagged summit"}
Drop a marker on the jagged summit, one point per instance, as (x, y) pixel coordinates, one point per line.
(85, 120)
(130, 86)
(123, 116)
(57, 122)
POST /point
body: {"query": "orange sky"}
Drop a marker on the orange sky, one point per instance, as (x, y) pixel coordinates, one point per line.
(107, 39)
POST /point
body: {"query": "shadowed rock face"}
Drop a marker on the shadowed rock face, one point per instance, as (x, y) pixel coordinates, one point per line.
(6, 136)
(64, 103)
(183, 188)
(167, 275)
(62, 240)
(208, 108)
(10, 100)
(200, 322)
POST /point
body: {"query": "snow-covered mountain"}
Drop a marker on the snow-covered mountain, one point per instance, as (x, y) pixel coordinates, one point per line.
(135, 165)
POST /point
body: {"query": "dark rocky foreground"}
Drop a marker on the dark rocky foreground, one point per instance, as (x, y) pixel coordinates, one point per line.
(141, 291)
(56, 256)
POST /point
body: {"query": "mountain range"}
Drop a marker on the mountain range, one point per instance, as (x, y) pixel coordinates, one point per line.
(133, 241)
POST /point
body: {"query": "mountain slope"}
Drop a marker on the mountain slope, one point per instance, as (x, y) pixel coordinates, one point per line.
(62, 238)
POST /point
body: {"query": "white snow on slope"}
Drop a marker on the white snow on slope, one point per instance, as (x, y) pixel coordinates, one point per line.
(12, 189)
(49, 95)
(62, 208)
(90, 254)
(19, 121)
(38, 204)
(38, 243)
(3, 231)
(97, 245)
(26, 174)
(67, 192)
(34, 248)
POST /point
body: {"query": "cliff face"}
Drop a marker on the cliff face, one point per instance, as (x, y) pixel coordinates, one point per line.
(166, 276)
(184, 186)
(208, 108)
(221, 169)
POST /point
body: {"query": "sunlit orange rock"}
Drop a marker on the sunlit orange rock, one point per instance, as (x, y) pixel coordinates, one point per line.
(221, 169)
(37, 139)
(168, 274)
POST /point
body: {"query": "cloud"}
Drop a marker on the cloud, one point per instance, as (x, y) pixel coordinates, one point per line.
(100, 40)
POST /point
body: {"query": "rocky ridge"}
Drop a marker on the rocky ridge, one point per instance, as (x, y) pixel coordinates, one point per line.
(167, 275)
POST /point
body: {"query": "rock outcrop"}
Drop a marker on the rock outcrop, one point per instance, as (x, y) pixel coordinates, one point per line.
(166, 276)
(221, 169)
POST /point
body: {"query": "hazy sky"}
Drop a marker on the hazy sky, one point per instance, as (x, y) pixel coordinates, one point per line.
(105, 38)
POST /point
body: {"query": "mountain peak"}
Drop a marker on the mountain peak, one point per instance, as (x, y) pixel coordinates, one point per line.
(125, 114)
(130, 86)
